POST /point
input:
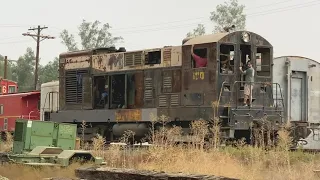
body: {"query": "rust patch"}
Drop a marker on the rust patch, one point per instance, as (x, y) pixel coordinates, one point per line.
(77, 62)
(212, 77)
(186, 80)
(167, 57)
(116, 60)
(98, 62)
(128, 115)
(139, 83)
(176, 84)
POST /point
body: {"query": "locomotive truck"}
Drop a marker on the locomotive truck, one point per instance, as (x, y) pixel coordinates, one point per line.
(115, 90)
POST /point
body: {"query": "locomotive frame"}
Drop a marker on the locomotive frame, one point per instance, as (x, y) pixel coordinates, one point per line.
(166, 83)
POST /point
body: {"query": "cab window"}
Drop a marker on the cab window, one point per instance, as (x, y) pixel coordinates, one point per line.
(226, 59)
(263, 61)
(199, 57)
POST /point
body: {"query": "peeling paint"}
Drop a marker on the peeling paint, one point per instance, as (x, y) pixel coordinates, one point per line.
(170, 56)
(77, 62)
(116, 60)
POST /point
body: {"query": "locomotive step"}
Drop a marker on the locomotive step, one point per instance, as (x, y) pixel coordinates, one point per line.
(242, 98)
(223, 117)
(224, 128)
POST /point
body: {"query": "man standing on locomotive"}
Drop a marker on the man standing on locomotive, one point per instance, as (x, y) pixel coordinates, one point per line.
(248, 86)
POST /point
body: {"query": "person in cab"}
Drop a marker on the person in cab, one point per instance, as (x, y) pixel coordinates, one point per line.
(200, 61)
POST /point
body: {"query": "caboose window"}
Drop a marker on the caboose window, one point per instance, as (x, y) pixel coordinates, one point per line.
(153, 57)
(5, 124)
(12, 89)
(1, 108)
(226, 59)
(263, 61)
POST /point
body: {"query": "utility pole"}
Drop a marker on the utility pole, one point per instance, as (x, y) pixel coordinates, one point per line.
(37, 37)
(5, 72)
(5, 67)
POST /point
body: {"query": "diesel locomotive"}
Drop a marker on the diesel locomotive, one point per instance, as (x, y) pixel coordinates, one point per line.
(115, 90)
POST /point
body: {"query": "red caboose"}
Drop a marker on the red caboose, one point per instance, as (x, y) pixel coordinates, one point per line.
(8, 86)
(18, 105)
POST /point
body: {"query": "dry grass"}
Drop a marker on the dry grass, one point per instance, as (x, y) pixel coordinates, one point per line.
(20, 172)
(6, 146)
(241, 161)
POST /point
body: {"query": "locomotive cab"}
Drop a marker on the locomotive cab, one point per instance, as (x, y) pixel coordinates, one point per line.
(230, 52)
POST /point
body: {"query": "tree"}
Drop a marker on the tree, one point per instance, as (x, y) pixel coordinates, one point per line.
(200, 30)
(228, 14)
(23, 70)
(49, 72)
(91, 35)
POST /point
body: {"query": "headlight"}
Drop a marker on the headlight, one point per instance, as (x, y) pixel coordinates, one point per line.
(245, 37)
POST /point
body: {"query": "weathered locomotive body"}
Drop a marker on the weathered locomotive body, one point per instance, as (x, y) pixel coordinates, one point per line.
(164, 81)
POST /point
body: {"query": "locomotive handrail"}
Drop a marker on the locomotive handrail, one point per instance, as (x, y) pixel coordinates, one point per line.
(224, 82)
(268, 83)
(218, 104)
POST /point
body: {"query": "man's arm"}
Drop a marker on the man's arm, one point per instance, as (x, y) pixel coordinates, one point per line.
(192, 53)
(225, 61)
(242, 72)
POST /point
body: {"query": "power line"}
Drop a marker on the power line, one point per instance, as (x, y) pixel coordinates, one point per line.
(251, 15)
(14, 42)
(14, 37)
(11, 26)
(297, 6)
(37, 39)
(266, 5)
(271, 4)
(10, 60)
(248, 15)
(120, 30)
(272, 11)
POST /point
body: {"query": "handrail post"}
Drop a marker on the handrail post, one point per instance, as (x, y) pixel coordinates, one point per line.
(277, 97)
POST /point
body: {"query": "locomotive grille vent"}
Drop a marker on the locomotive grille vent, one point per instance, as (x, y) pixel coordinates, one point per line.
(167, 55)
(148, 95)
(133, 59)
(174, 100)
(18, 135)
(74, 88)
(129, 59)
(138, 58)
(163, 101)
(167, 81)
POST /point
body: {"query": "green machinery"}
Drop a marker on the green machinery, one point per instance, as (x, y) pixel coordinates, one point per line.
(46, 143)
